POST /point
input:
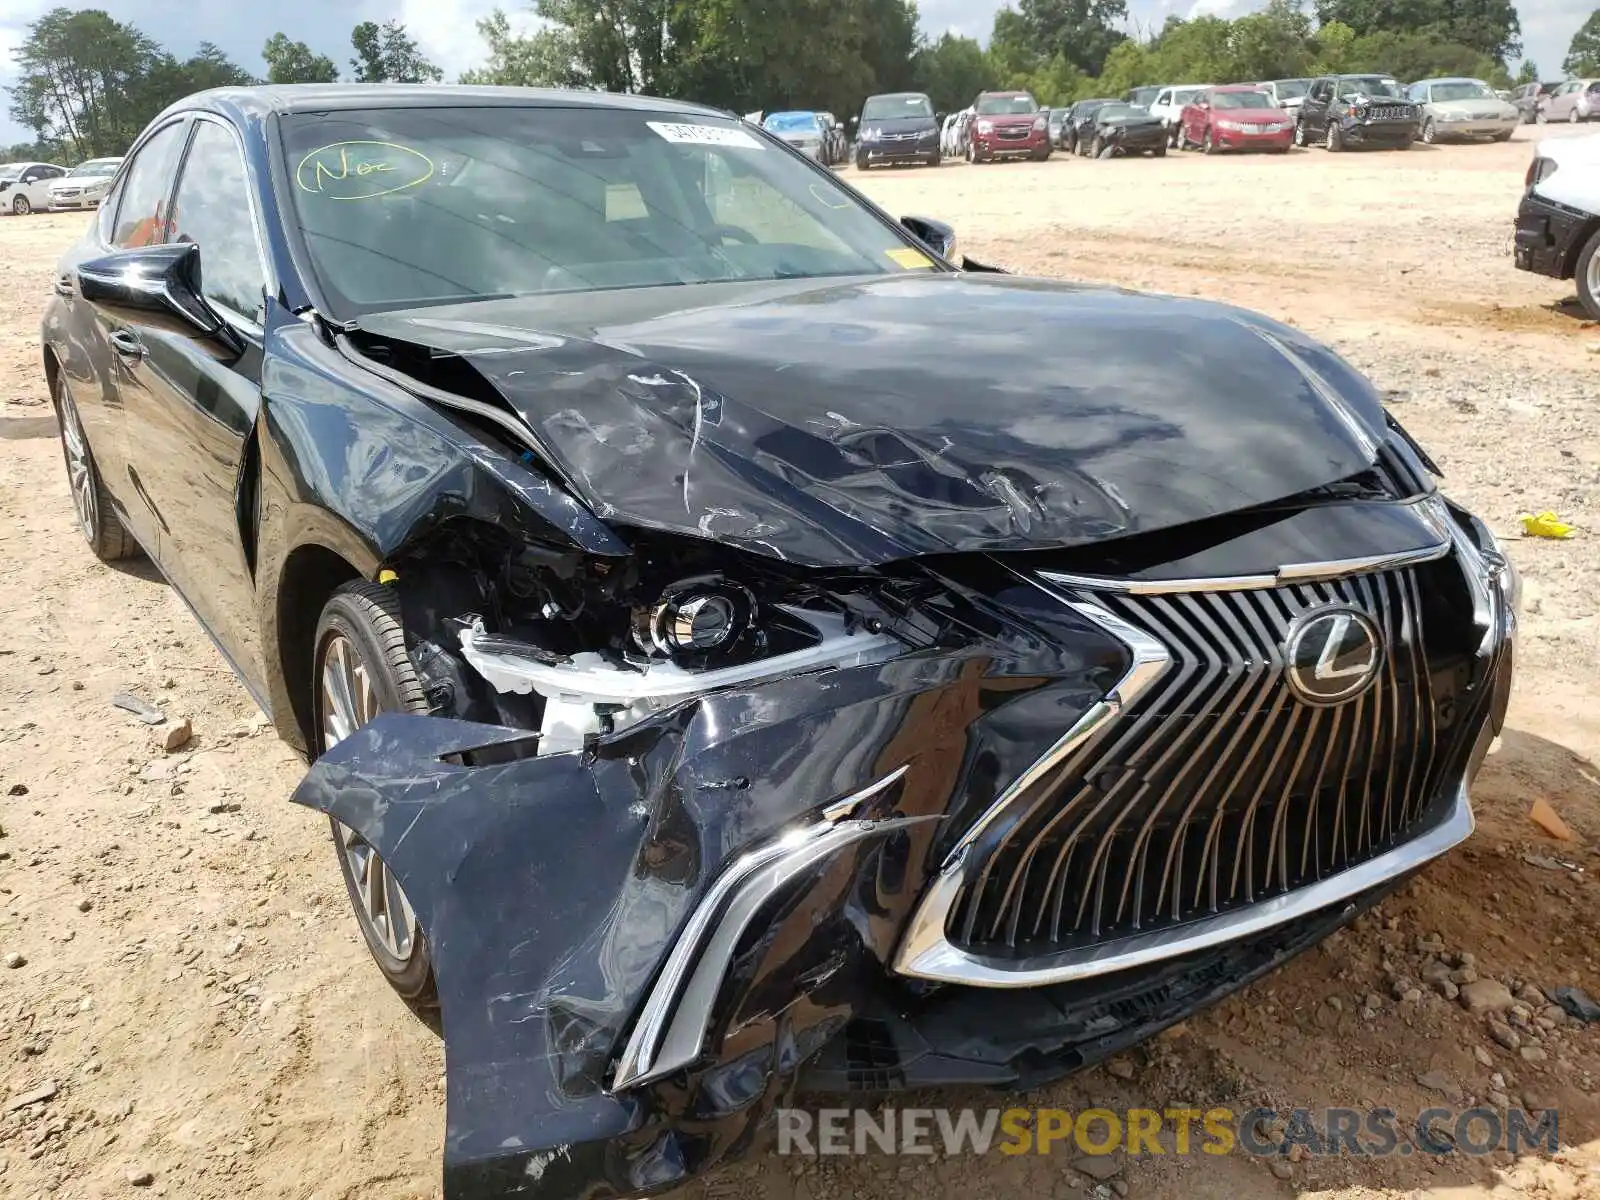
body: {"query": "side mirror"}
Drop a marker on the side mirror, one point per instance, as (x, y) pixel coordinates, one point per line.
(157, 286)
(936, 235)
(854, 121)
(940, 116)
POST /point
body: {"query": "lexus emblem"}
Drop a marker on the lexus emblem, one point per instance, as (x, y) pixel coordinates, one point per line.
(1332, 655)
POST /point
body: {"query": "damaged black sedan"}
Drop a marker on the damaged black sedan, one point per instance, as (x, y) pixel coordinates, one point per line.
(743, 648)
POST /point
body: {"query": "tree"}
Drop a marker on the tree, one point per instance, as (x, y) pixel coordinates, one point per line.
(1487, 27)
(294, 62)
(388, 54)
(546, 58)
(1081, 32)
(1528, 72)
(84, 81)
(1274, 43)
(952, 71)
(167, 81)
(1583, 56)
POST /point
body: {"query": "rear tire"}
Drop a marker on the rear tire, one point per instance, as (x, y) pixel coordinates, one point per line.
(1587, 276)
(107, 536)
(361, 668)
(1159, 152)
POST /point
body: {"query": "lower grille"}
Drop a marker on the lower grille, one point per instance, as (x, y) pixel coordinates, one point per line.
(1219, 787)
(1389, 112)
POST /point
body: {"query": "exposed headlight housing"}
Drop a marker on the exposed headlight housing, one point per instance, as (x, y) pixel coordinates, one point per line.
(1041, 122)
(985, 126)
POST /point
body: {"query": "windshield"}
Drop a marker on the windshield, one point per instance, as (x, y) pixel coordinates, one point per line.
(892, 108)
(1112, 111)
(1461, 90)
(1384, 89)
(103, 166)
(1184, 96)
(1288, 89)
(792, 122)
(1143, 96)
(1241, 100)
(10, 171)
(424, 205)
(1005, 106)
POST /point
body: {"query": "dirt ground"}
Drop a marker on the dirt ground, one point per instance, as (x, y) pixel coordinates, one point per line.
(193, 1001)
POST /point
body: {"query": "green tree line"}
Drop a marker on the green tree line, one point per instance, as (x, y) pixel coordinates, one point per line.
(88, 83)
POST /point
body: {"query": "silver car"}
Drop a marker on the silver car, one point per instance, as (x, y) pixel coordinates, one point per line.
(84, 186)
(1461, 109)
(802, 130)
(1575, 100)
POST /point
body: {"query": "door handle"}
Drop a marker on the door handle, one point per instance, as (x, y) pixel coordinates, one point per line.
(125, 344)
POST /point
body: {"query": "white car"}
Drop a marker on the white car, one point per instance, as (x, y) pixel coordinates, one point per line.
(947, 134)
(82, 187)
(23, 186)
(1287, 94)
(1558, 225)
(1170, 103)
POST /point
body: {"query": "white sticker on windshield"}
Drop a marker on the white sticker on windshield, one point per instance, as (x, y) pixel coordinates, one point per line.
(704, 135)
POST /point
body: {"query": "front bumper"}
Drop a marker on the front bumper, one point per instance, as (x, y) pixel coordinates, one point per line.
(643, 946)
(993, 145)
(910, 150)
(1472, 130)
(74, 203)
(1380, 133)
(1549, 237)
(1138, 141)
(1255, 139)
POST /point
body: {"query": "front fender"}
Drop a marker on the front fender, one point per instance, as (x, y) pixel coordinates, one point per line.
(558, 893)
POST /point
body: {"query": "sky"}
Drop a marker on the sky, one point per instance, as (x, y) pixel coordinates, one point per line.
(446, 30)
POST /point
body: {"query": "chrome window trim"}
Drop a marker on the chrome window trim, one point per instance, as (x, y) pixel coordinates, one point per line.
(670, 1031)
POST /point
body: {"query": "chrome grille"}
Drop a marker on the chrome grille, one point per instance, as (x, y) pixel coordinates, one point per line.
(1218, 788)
(1389, 112)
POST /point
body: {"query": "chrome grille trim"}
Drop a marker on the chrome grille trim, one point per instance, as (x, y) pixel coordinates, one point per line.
(1290, 573)
(1228, 676)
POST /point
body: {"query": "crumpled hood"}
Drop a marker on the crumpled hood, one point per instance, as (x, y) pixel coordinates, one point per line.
(840, 422)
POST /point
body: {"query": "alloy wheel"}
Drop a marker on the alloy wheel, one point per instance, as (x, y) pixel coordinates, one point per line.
(349, 702)
(80, 469)
(21, 207)
(1572, 119)
(1592, 275)
(1429, 133)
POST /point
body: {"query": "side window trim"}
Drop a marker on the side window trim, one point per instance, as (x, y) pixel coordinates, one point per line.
(124, 171)
(243, 321)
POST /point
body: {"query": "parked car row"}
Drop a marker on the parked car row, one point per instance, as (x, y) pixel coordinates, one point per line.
(1570, 100)
(817, 135)
(28, 187)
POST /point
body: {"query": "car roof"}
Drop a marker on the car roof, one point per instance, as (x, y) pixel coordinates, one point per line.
(1236, 87)
(792, 112)
(1006, 92)
(1451, 79)
(896, 95)
(255, 103)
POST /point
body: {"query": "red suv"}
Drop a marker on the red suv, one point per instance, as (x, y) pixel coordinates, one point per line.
(1008, 125)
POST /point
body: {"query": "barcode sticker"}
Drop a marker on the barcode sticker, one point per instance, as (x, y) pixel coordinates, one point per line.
(704, 135)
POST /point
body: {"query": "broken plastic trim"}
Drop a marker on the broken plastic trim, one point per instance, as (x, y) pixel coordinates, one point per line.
(590, 678)
(671, 1028)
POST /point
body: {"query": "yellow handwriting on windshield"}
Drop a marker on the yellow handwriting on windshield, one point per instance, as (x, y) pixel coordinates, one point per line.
(361, 170)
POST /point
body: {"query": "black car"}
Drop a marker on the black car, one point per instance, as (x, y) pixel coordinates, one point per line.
(897, 127)
(729, 663)
(1122, 129)
(1077, 130)
(1342, 111)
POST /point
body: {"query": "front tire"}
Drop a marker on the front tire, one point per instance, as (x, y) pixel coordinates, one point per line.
(1300, 137)
(21, 206)
(1208, 145)
(361, 668)
(1430, 132)
(97, 518)
(1335, 141)
(1572, 119)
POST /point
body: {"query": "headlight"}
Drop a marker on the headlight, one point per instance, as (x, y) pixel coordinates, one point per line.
(869, 135)
(985, 126)
(1452, 116)
(1041, 122)
(1233, 126)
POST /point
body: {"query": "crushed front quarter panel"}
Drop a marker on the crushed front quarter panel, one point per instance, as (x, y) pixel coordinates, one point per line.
(552, 889)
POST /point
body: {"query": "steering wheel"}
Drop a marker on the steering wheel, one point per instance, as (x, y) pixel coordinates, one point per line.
(734, 233)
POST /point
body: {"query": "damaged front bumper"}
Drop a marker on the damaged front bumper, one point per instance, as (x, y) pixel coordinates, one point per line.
(646, 940)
